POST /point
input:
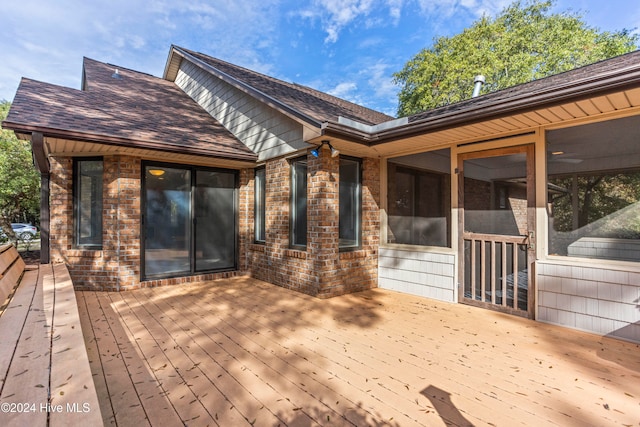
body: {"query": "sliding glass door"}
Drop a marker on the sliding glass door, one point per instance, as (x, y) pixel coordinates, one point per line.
(215, 229)
(167, 225)
(189, 221)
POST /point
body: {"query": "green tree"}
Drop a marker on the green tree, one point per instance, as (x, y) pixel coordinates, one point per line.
(19, 180)
(525, 42)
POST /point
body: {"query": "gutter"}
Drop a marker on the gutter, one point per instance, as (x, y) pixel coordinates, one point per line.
(44, 167)
(248, 89)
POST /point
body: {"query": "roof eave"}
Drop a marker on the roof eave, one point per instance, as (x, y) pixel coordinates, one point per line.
(250, 90)
(123, 142)
(477, 112)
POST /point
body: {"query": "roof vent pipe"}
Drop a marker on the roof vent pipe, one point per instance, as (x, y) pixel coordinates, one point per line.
(477, 85)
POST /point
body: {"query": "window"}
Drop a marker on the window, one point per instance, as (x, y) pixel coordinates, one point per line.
(260, 208)
(88, 202)
(350, 200)
(594, 190)
(299, 202)
(419, 199)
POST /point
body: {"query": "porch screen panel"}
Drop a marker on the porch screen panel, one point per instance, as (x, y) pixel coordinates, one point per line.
(594, 190)
(167, 227)
(419, 199)
(215, 224)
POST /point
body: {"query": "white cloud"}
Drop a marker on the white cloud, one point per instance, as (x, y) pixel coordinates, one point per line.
(54, 36)
(344, 90)
(335, 15)
(395, 10)
(379, 79)
(448, 8)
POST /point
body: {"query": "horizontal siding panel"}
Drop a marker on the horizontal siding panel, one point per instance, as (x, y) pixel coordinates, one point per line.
(418, 273)
(264, 130)
(599, 300)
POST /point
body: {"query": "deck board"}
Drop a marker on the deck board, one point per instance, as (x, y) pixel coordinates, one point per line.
(13, 321)
(27, 379)
(179, 373)
(119, 372)
(93, 355)
(240, 351)
(200, 346)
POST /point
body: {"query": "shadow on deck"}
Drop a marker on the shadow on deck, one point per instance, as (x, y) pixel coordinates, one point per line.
(244, 352)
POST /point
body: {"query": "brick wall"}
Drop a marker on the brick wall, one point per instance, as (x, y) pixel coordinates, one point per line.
(274, 261)
(61, 205)
(87, 267)
(121, 220)
(117, 264)
(245, 220)
(322, 270)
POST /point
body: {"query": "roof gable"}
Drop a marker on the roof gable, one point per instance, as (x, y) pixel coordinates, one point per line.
(315, 105)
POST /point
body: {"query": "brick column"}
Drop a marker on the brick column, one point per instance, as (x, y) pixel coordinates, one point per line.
(323, 220)
(121, 221)
(245, 217)
(61, 205)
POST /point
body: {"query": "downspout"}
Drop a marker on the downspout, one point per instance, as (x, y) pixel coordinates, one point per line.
(42, 163)
(477, 85)
(119, 207)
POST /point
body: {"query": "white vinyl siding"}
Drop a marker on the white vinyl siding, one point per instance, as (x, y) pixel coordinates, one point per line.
(418, 273)
(263, 129)
(590, 298)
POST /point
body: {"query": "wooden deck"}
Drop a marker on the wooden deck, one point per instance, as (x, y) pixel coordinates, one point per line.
(243, 352)
(45, 377)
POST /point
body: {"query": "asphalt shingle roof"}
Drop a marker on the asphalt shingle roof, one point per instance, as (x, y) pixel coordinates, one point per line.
(134, 109)
(317, 105)
(569, 81)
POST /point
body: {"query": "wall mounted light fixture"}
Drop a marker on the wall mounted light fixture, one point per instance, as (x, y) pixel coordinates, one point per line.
(316, 151)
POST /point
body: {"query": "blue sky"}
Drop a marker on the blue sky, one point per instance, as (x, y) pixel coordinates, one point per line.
(349, 48)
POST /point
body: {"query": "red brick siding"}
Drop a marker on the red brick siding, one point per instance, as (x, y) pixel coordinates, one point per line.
(61, 206)
(323, 219)
(245, 217)
(322, 270)
(274, 261)
(117, 265)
